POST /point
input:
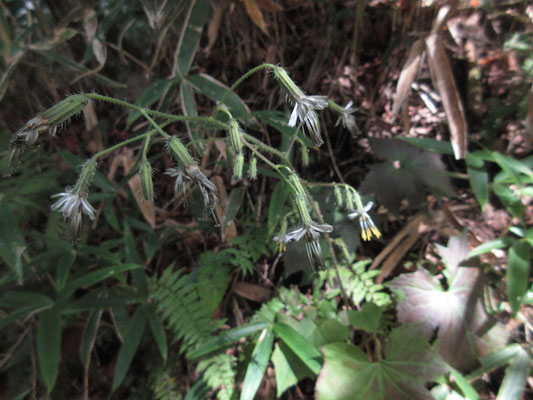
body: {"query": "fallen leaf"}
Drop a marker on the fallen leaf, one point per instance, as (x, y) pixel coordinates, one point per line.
(255, 14)
(408, 75)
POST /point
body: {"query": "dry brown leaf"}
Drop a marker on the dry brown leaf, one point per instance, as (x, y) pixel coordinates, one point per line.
(269, 5)
(252, 292)
(408, 74)
(441, 73)
(255, 14)
(214, 24)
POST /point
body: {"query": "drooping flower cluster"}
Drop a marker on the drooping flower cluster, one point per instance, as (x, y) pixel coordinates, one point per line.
(307, 229)
(305, 106)
(347, 118)
(357, 210)
(73, 203)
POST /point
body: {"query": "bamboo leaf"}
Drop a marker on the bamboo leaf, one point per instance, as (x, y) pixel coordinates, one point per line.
(49, 346)
(257, 366)
(518, 263)
(132, 339)
(89, 336)
(308, 353)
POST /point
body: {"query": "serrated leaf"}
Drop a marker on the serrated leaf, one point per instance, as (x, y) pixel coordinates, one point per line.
(132, 339)
(49, 346)
(257, 365)
(455, 314)
(518, 264)
(408, 364)
(457, 251)
(408, 169)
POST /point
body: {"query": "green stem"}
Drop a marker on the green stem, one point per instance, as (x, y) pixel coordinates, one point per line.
(170, 117)
(265, 147)
(238, 82)
(124, 143)
(154, 124)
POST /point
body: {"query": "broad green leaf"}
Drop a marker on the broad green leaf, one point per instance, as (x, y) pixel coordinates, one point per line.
(49, 346)
(16, 298)
(479, 178)
(97, 276)
(495, 360)
(467, 389)
(488, 246)
(225, 339)
(257, 365)
(330, 331)
(509, 199)
(152, 94)
(516, 374)
(215, 90)
(408, 168)
(277, 203)
(158, 331)
(288, 367)
(367, 319)
(190, 36)
(456, 314)
(308, 353)
(12, 243)
(518, 264)
(132, 339)
(409, 363)
(89, 336)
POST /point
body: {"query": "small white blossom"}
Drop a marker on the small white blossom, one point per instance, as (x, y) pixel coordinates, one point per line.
(194, 174)
(347, 119)
(367, 225)
(72, 205)
(305, 110)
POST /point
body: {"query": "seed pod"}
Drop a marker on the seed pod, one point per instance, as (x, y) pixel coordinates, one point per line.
(237, 166)
(147, 184)
(338, 195)
(180, 153)
(235, 136)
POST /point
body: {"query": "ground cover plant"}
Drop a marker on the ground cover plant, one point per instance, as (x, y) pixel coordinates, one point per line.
(266, 199)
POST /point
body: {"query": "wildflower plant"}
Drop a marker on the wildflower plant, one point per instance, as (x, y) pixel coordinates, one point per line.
(73, 203)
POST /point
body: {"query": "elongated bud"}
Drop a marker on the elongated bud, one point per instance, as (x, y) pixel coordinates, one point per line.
(65, 109)
(86, 176)
(147, 184)
(287, 83)
(300, 198)
(237, 166)
(349, 198)
(358, 201)
(180, 153)
(338, 195)
(235, 136)
(252, 169)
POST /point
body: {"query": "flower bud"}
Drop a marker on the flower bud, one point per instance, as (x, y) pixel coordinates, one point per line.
(180, 153)
(287, 83)
(237, 166)
(338, 195)
(235, 136)
(65, 109)
(305, 155)
(86, 176)
(147, 184)
(349, 198)
(252, 169)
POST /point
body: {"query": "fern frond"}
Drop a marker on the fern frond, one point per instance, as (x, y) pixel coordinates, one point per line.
(164, 386)
(219, 373)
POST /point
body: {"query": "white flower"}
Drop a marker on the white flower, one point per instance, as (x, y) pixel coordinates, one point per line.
(367, 225)
(347, 119)
(72, 205)
(194, 174)
(305, 110)
(312, 233)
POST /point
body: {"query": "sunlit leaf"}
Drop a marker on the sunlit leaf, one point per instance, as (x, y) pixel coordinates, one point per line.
(289, 369)
(515, 376)
(408, 364)
(518, 265)
(257, 365)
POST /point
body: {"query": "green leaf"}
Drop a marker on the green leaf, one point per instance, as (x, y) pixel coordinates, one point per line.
(133, 256)
(257, 366)
(516, 374)
(488, 246)
(288, 367)
(277, 203)
(190, 36)
(64, 264)
(495, 360)
(278, 121)
(12, 242)
(49, 346)
(308, 353)
(479, 178)
(89, 337)
(367, 319)
(225, 339)
(234, 203)
(509, 199)
(408, 364)
(132, 339)
(429, 144)
(152, 94)
(159, 333)
(518, 263)
(215, 90)
(97, 276)
(466, 388)
(189, 108)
